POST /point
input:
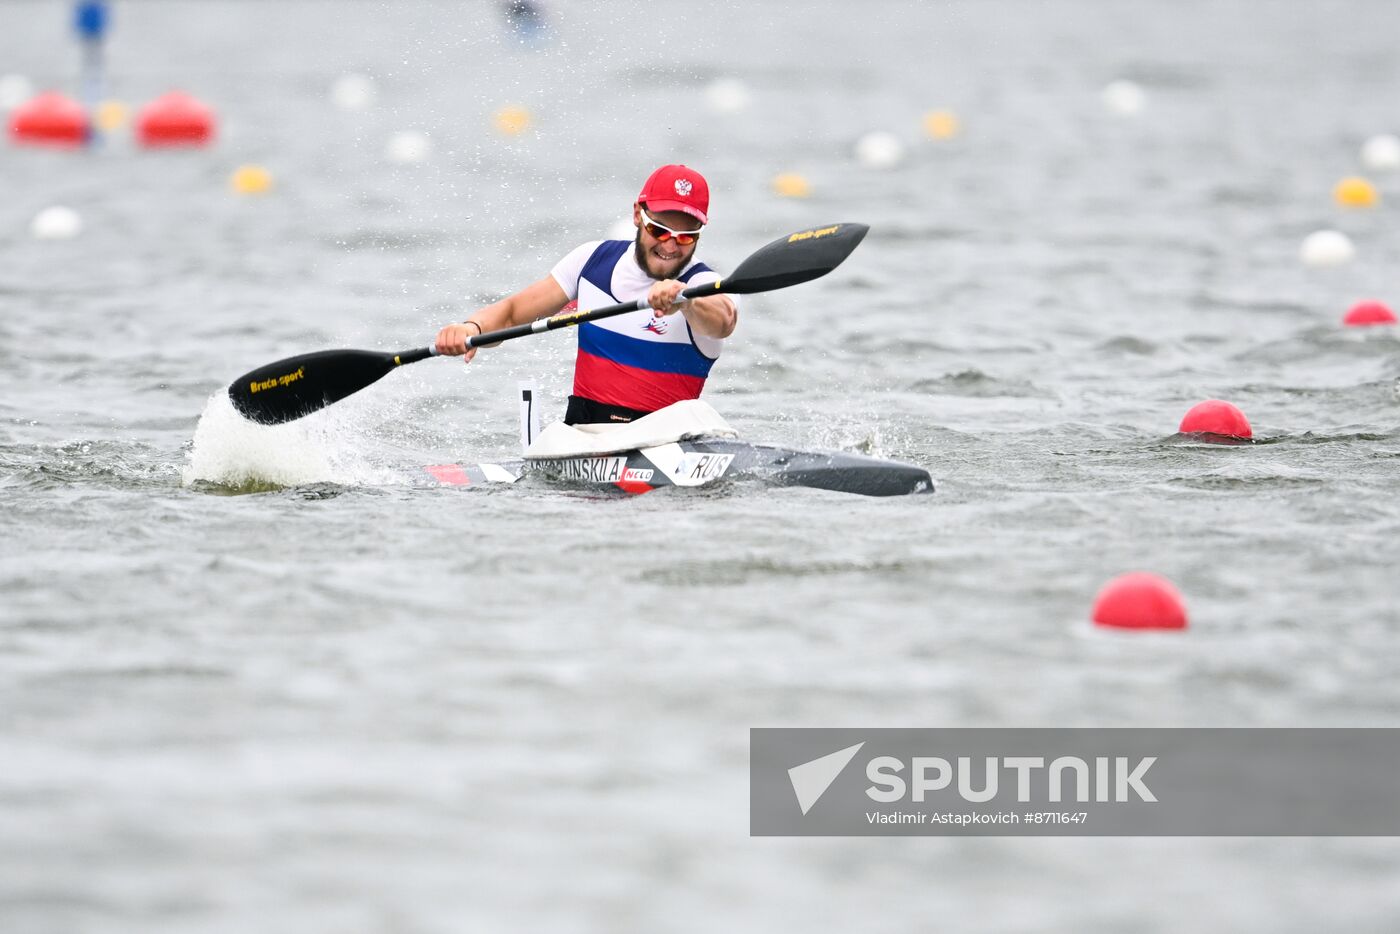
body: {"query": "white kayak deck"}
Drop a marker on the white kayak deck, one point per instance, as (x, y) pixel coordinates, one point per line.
(690, 418)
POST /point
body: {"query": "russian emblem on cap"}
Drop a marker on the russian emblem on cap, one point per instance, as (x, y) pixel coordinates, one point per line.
(683, 187)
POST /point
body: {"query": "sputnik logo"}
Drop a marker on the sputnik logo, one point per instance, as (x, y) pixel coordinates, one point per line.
(683, 187)
(810, 780)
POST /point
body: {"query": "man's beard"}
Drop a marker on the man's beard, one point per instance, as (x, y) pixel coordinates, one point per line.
(645, 260)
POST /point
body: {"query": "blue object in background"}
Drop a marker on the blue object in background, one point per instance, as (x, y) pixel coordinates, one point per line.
(526, 18)
(90, 20)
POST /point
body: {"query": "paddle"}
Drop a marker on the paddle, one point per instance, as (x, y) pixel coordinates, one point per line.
(288, 389)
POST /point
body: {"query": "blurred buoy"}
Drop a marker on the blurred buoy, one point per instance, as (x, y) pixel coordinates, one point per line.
(56, 223)
(14, 90)
(1381, 153)
(1214, 417)
(251, 180)
(512, 121)
(174, 119)
(941, 124)
(622, 229)
(791, 185)
(1355, 192)
(1124, 98)
(110, 116)
(1139, 600)
(49, 120)
(879, 150)
(1327, 248)
(726, 96)
(1363, 314)
(409, 146)
(353, 92)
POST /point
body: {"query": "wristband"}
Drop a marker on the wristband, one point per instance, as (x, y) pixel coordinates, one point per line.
(479, 332)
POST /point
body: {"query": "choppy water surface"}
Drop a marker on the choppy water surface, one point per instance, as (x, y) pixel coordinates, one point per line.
(280, 680)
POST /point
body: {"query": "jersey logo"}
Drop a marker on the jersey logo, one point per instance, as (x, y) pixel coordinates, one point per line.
(683, 187)
(657, 325)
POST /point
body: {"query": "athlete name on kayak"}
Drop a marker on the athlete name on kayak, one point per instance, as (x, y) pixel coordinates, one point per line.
(588, 469)
(276, 381)
(813, 234)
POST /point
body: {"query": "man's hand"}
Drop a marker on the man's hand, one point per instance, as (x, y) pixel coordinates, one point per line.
(663, 295)
(452, 340)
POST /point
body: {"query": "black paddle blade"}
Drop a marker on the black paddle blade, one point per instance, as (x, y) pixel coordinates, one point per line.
(288, 389)
(799, 257)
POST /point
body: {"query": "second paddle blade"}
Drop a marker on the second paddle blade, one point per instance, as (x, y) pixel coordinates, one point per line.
(288, 389)
(796, 258)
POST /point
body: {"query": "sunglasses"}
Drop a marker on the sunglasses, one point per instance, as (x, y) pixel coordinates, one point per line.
(664, 233)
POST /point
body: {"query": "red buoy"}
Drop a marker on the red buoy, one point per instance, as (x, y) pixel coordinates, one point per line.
(1140, 601)
(175, 119)
(1367, 313)
(50, 120)
(1214, 417)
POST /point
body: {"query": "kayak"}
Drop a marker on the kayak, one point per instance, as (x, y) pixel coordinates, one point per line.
(687, 444)
(695, 462)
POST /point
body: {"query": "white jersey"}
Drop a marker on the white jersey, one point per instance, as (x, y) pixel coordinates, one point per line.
(635, 360)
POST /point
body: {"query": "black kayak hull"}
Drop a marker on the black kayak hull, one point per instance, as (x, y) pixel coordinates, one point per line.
(702, 462)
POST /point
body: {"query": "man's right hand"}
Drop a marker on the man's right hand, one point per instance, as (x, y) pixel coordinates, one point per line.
(452, 340)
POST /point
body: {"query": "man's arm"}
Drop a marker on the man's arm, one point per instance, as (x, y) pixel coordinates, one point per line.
(712, 316)
(544, 298)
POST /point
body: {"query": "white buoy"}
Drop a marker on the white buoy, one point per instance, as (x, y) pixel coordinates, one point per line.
(1381, 153)
(56, 223)
(14, 90)
(408, 147)
(353, 92)
(1124, 98)
(879, 150)
(1327, 248)
(726, 96)
(622, 229)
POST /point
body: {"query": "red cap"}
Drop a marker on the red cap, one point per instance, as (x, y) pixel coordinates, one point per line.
(677, 188)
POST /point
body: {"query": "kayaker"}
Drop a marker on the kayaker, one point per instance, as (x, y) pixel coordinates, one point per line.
(634, 363)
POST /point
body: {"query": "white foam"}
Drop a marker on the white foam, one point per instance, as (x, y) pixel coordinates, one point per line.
(230, 450)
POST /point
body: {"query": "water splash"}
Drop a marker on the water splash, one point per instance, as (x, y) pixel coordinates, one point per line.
(231, 452)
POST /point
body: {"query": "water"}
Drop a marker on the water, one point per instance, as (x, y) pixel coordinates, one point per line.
(280, 679)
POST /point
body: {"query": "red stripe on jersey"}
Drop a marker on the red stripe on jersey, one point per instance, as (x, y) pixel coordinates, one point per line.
(613, 383)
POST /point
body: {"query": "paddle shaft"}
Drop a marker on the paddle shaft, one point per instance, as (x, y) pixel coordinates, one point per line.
(554, 322)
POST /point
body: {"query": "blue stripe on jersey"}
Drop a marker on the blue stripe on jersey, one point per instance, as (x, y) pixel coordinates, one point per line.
(698, 267)
(599, 268)
(657, 356)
